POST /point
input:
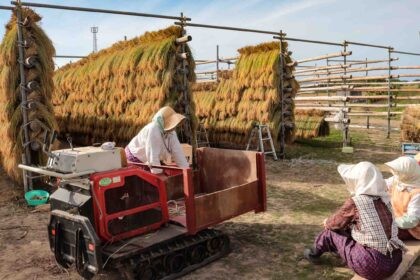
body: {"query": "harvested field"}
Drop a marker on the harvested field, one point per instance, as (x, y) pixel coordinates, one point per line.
(302, 191)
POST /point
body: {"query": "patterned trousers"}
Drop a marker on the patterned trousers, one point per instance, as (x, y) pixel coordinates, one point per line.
(366, 262)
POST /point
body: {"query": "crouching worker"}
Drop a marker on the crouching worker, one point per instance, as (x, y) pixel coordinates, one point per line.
(404, 188)
(362, 232)
(157, 140)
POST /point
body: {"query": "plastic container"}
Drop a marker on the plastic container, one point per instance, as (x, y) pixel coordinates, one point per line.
(36, 197)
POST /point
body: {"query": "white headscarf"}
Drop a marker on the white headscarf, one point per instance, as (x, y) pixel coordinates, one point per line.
(364, 178)
(406, 171)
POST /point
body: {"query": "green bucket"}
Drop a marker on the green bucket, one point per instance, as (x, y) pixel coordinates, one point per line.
(36, 197)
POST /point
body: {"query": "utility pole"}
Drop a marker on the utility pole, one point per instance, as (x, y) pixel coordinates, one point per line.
(94, 30)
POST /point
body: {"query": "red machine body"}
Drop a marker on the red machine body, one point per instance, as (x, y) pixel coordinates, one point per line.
(178, 210)
(128, 202)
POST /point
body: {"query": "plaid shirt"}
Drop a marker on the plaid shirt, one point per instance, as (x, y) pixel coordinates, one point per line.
(371, 222)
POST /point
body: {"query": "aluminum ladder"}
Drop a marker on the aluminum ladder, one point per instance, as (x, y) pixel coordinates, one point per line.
(202, 139)
(257, 131)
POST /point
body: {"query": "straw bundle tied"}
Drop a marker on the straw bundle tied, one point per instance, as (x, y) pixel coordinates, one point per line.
(310, 123)
(248, 95)
(38, 46)
(112, 94)
(410, 124)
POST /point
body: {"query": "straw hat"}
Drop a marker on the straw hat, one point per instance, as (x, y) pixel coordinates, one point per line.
(171, 119)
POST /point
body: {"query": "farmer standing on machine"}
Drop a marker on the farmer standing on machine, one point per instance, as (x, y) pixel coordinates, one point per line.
(362, 232)
(404, 188)
(157, 140)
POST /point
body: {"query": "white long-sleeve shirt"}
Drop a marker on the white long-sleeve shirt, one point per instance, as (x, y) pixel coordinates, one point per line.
(412, 217)
(150, 145)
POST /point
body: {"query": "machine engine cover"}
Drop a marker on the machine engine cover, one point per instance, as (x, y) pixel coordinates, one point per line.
(128, 202)
(84, 159)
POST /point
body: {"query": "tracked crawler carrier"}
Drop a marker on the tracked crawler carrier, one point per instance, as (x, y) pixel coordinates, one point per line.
(108, 214)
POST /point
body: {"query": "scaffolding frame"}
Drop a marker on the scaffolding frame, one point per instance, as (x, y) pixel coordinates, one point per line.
(335, 82)
(183, 22)
(26, 157)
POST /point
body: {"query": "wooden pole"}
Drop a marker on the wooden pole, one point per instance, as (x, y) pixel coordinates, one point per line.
(321, 68)
(321, 98)
(325, 108)
(327, 88)
(324, 57)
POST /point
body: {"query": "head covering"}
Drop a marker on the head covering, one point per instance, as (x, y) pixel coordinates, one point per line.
(167, 118)
(406, 171)
(364, 178)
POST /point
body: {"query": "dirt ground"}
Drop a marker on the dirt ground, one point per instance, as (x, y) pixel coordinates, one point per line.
(302, 191)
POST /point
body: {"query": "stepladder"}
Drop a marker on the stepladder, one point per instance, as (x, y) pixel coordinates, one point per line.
(202, 136)
(260, 134)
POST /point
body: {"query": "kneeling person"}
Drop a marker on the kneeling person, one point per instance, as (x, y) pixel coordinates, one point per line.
(362, 232)
(404, 188)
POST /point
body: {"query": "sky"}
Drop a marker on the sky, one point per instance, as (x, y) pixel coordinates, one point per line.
(384, 22)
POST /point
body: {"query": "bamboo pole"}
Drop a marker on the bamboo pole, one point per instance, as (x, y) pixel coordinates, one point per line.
(325, 108)
(206, 81)
(321, 98)
(406, 67)
(370, 97)
(348, 105)
(342, 98)
(353, 70)
(342, 87)
(367, 61)
(373, 114)
(324, 57)
(402, 105)
(343, 77)
(408, 97)
(223, 60)
(409, 75)
(373, 83)
(314, 69)
(380, 89)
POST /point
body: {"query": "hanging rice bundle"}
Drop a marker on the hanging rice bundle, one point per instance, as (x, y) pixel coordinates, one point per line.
(248, 95)
(39, 69)
(310, 123)
(410, 124)
(112, 94)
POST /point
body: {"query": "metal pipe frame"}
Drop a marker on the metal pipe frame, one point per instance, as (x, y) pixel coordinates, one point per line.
(188, 125)
(309, 41)
(388, 132)
(69, 56)
(23, 96)
(92, 10)
(409, 53)
(217, 63)
(282, 108)
(345, 125)
(6, 8)
(367, 45)
(228, 28)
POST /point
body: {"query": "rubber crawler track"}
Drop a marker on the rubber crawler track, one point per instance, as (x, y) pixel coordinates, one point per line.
(176, 258)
